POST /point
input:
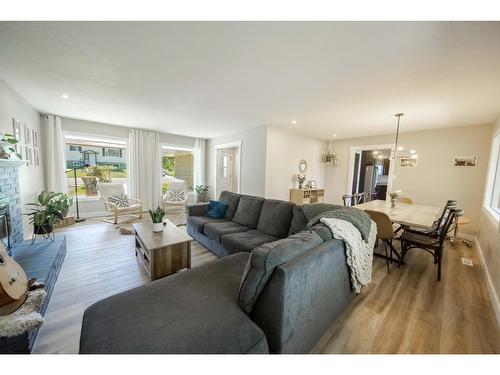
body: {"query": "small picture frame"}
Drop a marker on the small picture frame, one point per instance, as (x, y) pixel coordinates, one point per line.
(29, 155)
(27, 135)
(312, 184)
(35, 138)
(465, 161)
(16, 129)
(408, 162)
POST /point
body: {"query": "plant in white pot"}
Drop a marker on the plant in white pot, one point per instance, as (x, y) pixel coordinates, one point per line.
(157, 218)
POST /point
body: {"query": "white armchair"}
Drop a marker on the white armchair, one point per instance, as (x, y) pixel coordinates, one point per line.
(176, 195)
(106, 190)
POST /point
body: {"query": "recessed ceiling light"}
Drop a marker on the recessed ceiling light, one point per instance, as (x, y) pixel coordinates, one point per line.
(413, 152)
(400, 148)
(375, 152)
(65, 96)
(334, 135)
(294, 122)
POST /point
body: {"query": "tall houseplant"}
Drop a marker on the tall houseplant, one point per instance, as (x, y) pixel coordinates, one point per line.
(47, 210)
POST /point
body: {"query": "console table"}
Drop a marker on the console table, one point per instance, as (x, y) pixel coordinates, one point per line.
(302, 196)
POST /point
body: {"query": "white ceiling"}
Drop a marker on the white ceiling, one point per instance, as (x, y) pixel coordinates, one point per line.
(207, 79)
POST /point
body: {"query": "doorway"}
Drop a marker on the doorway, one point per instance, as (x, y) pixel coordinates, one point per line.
(227, 168)
(370, 171)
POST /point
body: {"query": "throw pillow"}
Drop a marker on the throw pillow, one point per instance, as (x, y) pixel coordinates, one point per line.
(217, 210)
(176, 196)
(120, 200)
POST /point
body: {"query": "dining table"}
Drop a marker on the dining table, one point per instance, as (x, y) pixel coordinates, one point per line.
(404, 214)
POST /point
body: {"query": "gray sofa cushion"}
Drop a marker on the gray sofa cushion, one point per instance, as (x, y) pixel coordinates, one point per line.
(264, 259)
(275, 217)
(198, 222)
(245, 241)
(299, 220)
(232, 200)
(323, 231)
(217, 230)
(195, 311)
(248, 211)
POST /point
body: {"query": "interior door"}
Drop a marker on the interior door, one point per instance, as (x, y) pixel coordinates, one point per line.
(224, 171)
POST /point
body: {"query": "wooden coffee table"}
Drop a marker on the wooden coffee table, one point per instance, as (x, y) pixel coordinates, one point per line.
(162, 253)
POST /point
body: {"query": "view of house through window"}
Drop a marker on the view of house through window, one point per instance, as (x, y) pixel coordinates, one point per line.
(106, 161)
(177, 166)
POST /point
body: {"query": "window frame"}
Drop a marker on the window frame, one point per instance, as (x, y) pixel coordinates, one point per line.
(492, 176)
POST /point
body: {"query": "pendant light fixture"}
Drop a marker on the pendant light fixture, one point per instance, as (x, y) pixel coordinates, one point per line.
(399, 151)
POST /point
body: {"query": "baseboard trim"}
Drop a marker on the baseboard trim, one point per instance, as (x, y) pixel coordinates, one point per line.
(489, 282)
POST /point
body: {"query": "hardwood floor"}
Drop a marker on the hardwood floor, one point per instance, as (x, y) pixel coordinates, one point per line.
(406, 311)
(99, 262)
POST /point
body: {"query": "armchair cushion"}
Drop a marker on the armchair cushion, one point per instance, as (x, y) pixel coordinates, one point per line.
(119, 200)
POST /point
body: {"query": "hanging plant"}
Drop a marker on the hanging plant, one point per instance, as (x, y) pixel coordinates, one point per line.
(330, 157)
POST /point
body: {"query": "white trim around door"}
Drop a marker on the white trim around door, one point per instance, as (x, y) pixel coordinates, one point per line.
(236, 145)
(352, 153)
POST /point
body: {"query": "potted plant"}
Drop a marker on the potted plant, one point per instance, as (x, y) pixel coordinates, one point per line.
(201, 193)
(394, 196)
(7, 147)
(49, 208)
(157, 218)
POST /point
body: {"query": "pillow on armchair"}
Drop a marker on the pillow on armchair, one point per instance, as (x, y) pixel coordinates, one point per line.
(217, 210)
(120, 200)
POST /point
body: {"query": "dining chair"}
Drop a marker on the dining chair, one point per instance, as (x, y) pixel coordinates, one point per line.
(433, 245)
(358, 198)
(385, 233)
(348, 199)
(367, 197)
(434, 229)
(405, 200)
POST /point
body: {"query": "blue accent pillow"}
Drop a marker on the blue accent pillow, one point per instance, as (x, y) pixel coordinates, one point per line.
(217, 209)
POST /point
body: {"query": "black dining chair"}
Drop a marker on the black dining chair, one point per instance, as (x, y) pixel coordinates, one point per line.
(433, 245)
(434, 229)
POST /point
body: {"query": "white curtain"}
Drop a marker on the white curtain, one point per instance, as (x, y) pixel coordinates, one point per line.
(199, 161)
(144, 167)
(54, 154)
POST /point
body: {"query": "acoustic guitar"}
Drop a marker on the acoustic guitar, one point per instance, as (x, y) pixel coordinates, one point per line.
(13, 283)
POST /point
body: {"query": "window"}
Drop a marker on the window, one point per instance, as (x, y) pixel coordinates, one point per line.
(106, 157)
(112, 152)
(492, 198)
(177, 166)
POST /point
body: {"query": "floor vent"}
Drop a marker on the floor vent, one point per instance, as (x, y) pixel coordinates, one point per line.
(467, 262)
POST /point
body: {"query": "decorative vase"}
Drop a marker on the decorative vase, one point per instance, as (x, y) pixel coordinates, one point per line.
(157, 227)
(393, 202)
(300, 185)
(201, 197)
(43, 229)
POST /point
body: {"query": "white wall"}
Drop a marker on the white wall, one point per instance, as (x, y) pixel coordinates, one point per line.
(435, 179)
(253, 159)
(31, 179)
(285, 148)
(92, 207)
(489, 243)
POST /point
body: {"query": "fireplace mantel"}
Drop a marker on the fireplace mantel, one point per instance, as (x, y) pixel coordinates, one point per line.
(12, 162)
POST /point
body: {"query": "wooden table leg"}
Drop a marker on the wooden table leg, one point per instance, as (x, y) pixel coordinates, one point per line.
(189, 254)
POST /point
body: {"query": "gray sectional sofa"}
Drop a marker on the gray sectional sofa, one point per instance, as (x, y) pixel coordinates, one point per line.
(280, 297)
(249, 222)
